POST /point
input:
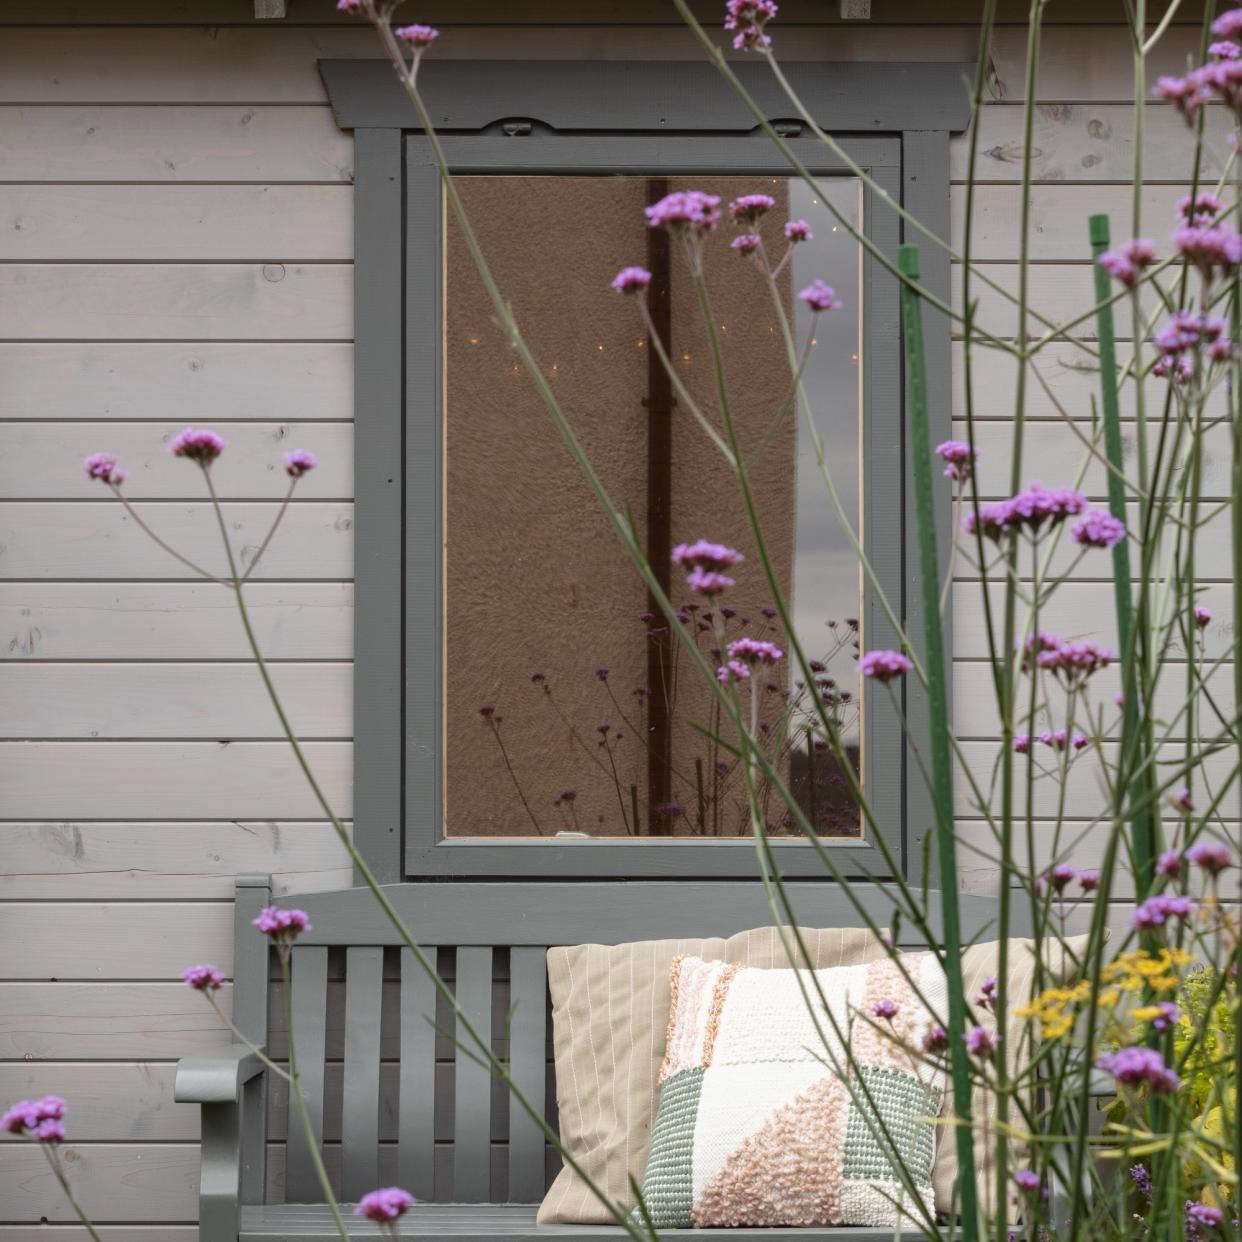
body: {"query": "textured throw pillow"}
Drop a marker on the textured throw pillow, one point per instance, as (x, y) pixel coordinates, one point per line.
(610, 1007)
(763, 1121)
(979, 963)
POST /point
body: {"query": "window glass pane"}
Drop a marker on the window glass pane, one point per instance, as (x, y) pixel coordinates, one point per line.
(569, 708)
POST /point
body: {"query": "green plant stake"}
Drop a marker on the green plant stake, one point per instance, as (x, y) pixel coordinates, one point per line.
(1144, 842)
(941, 764)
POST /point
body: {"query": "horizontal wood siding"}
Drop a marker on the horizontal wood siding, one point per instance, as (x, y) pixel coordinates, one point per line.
(175, 246)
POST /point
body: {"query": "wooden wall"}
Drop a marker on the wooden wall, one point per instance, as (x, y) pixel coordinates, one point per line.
(175, 245)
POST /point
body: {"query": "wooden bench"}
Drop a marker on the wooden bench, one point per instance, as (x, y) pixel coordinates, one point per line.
(392, 1102)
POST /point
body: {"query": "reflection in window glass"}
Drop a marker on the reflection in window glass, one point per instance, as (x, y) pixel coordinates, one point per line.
(569, 707)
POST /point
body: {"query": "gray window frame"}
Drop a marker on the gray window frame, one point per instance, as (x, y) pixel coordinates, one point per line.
(600, 117)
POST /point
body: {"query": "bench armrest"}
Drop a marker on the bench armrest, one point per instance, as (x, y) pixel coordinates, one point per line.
(216, 1077)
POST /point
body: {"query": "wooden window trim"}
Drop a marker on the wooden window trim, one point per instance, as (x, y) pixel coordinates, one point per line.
(636, 117)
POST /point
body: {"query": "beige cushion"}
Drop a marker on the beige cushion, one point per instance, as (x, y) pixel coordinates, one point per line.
(979, 963)
(610, 1010)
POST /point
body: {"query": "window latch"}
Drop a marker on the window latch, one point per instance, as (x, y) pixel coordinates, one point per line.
(515, 129)
(788, 129)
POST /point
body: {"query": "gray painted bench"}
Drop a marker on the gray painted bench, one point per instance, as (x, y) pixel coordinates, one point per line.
(391, 1100)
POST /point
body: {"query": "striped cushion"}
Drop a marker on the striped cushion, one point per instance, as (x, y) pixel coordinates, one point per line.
(758, 1122)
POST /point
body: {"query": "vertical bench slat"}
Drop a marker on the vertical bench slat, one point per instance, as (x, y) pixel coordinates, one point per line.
(309, 998)
(472, 1082)
(417, 1101)
(364, 981)
(528, 1066)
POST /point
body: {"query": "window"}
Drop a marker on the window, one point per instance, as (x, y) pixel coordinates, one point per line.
(542, 724)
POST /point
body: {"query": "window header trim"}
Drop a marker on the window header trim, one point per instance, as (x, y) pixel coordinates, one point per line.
(651, 96)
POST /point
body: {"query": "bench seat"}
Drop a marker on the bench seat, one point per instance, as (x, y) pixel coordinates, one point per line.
(482, 1222)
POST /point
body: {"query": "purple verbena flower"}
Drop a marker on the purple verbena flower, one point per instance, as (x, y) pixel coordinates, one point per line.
(746, 243)
(1185, 94)
(1183, 801)
(1054, 738)
(202, 978)
(1026, 1180)
(820, 297)
(798, 231)
(747, 208)
(283, 926)
(707, 582)
(748, 18)
(1202, 209)
(1212, 856)
(691, 209)
(1168, 1016)
(1061, 877)
(1210, 248)
(1203, 616)
(959, 457)
(30, 1115)
(1228, 25)
(705, 555)
(886, 1010)
(1098, 529)
(198, 445)
(981, 1042)
(419, 37)
(300, 462)
(1089, 881)
(1080, 741)
(102, 466)
(1224, 49)
(631, 280)
(49, 1131)
(1022, 743)
(1133, 1066)
(1127, 263)
(1203, 1214)
(1157, 910)
(1028, 510)
(386, 1205)
(734, 669)
(754, 651)
(936, 1039)
(883, 665)
(1169, 864)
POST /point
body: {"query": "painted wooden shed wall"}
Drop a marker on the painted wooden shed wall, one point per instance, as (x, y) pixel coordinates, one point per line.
(175, 245)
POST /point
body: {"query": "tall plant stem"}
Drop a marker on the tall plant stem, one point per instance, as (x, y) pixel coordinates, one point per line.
(54, 1161)
(295, 1087)
(1144, 845)
(941, 762)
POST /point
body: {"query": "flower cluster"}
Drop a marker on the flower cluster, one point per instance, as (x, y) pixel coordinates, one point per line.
(198, 445)
(1211, 248)
(685, 209)
(959, 459)
(1212, 856)
(747, 18)
(1158, 910)
(1132, 1067)
(631, 280)
(300, 462)
(284, 926)
(798, 231)
(747, 208)
(1186, 336)
(102, 466)
(40, 1119)
(1128, 262)
(744, 654)
(883, 665)
(1069, 662)
(1200, 210)
(981, 1042)
(706, 563)
(1027, 511)
(202, 978)
(1220, 78)
(385, 1206)
(820, 297)
(418, 37)
(1098, 529)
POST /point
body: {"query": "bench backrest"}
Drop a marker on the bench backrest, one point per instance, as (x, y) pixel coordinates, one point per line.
(392, 1098)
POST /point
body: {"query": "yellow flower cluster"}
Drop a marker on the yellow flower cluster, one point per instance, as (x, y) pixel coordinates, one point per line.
(1056, 1008)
